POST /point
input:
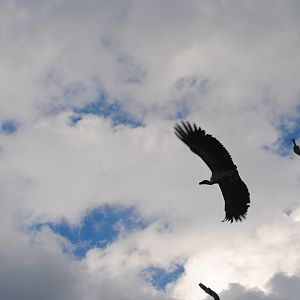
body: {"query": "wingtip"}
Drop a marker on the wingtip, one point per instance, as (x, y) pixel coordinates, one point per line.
(187, 125)
(239, 218)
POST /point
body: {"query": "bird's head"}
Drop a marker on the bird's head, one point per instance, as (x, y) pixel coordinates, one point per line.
(205, 182)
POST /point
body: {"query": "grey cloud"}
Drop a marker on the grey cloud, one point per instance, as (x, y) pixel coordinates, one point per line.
(30, 272)
(34, 268)
(281, 287)
(285, 286)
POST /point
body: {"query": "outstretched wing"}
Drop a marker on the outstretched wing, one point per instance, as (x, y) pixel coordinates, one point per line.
(206, 146)
(236, 197)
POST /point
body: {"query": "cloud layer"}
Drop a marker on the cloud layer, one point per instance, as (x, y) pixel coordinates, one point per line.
(230, 66)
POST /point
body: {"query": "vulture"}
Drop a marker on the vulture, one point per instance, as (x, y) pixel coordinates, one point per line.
(296, 147)
(224, 171)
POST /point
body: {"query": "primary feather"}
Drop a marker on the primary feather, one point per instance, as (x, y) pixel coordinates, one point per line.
(224, 171)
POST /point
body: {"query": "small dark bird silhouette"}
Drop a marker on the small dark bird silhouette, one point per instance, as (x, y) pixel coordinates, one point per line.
(296, 147)
(224, 171)
(209, 291)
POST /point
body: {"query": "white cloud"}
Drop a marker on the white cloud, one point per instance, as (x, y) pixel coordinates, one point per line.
(234, 65)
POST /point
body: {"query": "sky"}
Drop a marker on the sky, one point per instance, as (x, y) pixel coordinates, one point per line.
(98, 197)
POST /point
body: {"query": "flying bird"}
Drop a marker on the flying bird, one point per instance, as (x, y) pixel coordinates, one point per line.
(224, 171)
(209, 291)
(296, 147)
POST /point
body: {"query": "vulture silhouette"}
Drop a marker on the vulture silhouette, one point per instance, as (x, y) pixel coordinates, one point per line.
(224, 171)
(296, 147)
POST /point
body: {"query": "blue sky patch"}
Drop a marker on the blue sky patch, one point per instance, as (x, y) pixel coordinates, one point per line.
(75, 118)
(98, 228)
(289, 129)
(9, 127)
(182, 110)
(159, 277)
(104, 108)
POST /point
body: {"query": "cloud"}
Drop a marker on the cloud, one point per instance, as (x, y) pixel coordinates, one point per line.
(37, 269)
(281, 286)
(232, 67)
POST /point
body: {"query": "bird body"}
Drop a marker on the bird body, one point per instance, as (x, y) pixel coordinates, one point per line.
(219, 175)
(224, 171)
(296, 147)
